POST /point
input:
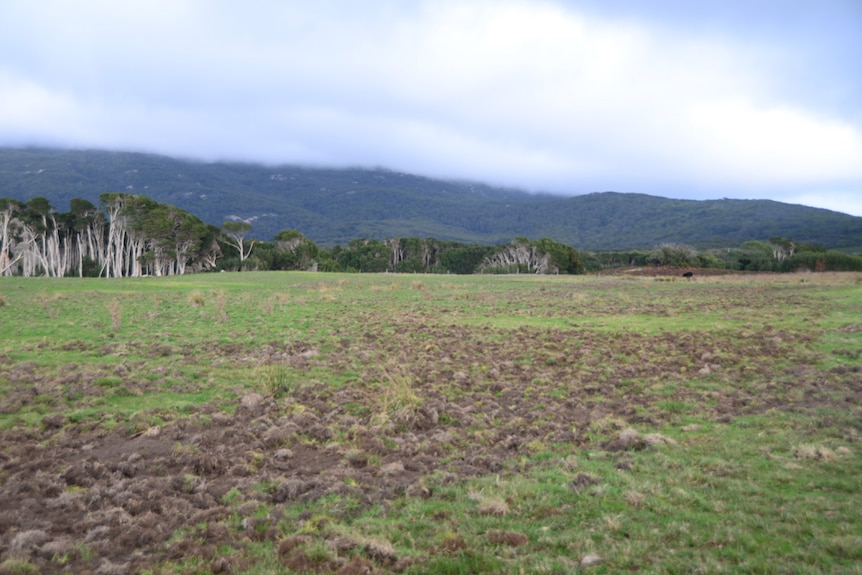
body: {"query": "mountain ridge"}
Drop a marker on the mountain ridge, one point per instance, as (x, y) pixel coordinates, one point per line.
(336, 205)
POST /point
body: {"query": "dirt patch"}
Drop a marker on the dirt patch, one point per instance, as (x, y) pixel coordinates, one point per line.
(82, 496)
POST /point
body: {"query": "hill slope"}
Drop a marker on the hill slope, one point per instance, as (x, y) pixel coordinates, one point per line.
(333, 206)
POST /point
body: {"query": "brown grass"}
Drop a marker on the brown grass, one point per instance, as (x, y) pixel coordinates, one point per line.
(116, 311)
(196, 299)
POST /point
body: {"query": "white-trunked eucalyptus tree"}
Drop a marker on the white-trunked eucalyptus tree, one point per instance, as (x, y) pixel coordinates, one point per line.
(9, 230)
(236, 231)
(32, 241)
(519, 256)
(131, 236)
(149, 238)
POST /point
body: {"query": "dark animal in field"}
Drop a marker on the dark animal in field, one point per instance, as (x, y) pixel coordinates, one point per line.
(688, 275)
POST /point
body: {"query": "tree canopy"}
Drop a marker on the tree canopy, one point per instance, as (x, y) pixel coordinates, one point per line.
(130, 235)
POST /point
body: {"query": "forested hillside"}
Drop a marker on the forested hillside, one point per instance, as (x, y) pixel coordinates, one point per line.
(335, 206)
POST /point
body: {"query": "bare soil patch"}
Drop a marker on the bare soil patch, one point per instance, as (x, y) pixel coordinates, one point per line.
(77, 497)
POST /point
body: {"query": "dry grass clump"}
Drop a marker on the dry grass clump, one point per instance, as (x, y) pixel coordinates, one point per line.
(634, 499)
(536, 446)
(608, 424)
(398, 400)
(327, 291)
(380, 550)
(627, 440)
(325, 288)
(417, 285)
(394, 286)
(490, 505)
(220, 301)
(494, 507)
(196, 299)
(653, 439)
(816, 452)
(2, 300)
(116, 311)
(268, 306)
(630, 440)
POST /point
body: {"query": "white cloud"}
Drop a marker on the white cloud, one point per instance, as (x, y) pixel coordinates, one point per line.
(539, 94)
(837, 200)
(775, 145)
(28, 109)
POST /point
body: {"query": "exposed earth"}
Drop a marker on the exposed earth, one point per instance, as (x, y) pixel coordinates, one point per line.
(431, 404)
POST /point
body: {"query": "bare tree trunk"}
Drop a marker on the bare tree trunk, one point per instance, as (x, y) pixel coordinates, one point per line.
(6, 262)
(426, 254)
(397, 250)
(80, 256)
(113, 264)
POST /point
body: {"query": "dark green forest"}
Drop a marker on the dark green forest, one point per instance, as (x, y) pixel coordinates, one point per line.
(334, 207)
(131, 235)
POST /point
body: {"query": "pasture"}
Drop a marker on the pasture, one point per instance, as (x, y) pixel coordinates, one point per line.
(331, 423)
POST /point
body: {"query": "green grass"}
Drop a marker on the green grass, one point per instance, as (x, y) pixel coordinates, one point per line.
(719, 501)
(755, 379)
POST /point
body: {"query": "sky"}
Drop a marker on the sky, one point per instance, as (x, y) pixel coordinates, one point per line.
(749, 99)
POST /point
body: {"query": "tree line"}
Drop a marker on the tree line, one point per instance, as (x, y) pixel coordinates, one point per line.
(130, 235)
(126, 236)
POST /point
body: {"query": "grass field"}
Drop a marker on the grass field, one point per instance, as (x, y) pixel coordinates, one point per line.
(324, 423)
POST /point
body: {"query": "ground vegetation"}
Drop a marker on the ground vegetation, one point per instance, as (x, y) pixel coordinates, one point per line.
(296, 422)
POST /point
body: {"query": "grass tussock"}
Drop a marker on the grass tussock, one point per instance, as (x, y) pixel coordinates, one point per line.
(196, 299)
(220, 303)
(487, 505)
(397, 398)
(815, 452)
(276, 380)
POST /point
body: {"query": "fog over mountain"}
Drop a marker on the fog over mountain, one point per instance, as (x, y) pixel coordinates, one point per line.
(687, 100)
(335, 206)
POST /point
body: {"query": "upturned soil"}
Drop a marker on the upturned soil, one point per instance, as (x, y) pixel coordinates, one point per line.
(76, 496)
